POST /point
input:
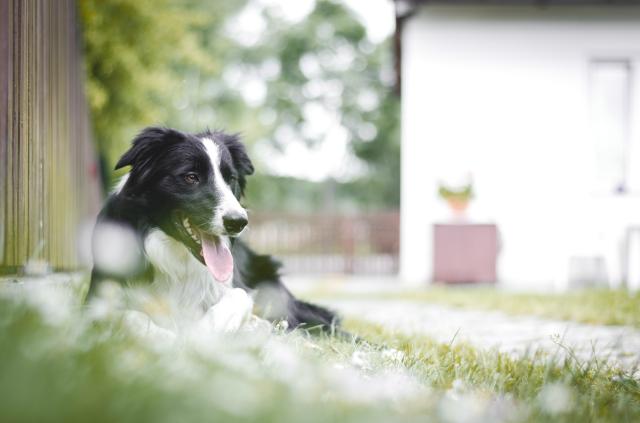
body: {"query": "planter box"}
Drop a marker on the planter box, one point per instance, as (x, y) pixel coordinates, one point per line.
(465, 252)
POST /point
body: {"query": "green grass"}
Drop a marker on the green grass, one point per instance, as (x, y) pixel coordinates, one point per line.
(594, 391)
(66, 367)
(607, 307)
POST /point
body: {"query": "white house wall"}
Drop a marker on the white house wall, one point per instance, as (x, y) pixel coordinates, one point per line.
(502, 93)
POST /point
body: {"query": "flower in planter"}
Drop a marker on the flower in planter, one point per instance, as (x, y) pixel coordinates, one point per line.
(458, 198)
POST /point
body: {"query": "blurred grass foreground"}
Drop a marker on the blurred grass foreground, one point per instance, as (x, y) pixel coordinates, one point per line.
(59, 362)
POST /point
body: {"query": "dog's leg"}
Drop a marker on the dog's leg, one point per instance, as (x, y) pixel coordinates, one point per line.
(274, 302)
(232, 311)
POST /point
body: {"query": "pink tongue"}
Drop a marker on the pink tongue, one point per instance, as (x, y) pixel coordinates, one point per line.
(218, 259)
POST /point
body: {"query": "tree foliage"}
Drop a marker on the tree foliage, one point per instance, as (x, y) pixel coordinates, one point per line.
(137, 54)
(184, 63)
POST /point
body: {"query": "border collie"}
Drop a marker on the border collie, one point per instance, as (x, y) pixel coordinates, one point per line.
(172, 225)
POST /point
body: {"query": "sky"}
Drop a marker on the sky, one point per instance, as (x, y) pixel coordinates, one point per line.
(376, 15)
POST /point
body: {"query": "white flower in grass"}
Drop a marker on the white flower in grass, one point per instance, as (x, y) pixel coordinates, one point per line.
(116, 249)
(285, 361)
(282, 326)
(393, 355)
(108, 300)
(468, 407)
(399, 385)
(458, 388)
(458, 385)
(352, 385)
(556, 398)
(359, 359)
(504, 408)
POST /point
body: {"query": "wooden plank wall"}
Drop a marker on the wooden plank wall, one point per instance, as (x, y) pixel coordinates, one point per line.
(48, 169)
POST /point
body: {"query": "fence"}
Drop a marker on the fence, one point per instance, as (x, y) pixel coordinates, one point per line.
(325, 243)
(48, 174)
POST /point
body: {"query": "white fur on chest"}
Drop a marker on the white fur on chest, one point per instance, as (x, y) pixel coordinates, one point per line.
(183, 298)
(179, 277)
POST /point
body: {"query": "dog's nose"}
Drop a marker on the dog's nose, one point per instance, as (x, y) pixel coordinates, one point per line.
(234, 223)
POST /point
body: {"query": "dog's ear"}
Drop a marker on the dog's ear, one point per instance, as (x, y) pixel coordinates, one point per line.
(238, 152)
(145, 145)
(241, 160)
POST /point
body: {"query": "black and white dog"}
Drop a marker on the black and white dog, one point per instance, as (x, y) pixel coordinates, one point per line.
(174, 221)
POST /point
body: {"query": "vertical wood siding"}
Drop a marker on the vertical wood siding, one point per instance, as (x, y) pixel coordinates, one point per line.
(48, 171)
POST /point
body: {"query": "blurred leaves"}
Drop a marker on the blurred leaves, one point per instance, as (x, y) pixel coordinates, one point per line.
(247, 67)
(137, 54)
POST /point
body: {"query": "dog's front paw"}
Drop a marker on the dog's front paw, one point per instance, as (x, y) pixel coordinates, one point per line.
(230, 313)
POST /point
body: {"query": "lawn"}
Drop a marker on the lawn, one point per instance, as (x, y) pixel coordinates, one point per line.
(597, 306)
(64, 365)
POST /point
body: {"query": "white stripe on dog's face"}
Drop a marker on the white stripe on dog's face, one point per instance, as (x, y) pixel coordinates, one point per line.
(228, 203)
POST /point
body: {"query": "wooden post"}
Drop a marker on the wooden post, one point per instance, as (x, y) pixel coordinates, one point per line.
(47, 188)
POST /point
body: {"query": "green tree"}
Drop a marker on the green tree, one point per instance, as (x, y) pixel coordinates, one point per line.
(327, 59)
(184, 63)
(139, 55)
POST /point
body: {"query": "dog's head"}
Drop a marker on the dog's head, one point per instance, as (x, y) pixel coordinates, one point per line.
(191, 185)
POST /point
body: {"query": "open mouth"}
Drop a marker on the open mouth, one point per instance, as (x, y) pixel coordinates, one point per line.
(212, 250)
(190, 231)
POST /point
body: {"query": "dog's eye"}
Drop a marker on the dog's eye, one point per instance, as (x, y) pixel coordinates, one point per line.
(191, 178)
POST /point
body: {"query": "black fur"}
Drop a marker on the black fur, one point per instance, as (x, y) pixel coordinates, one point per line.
(260, 274)
(156, 196)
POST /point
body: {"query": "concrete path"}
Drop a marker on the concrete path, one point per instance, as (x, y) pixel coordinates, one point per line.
(619, 345)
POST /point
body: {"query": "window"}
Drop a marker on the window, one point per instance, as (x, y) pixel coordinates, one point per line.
(610, 82)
